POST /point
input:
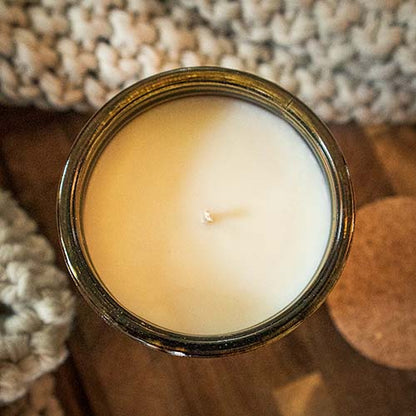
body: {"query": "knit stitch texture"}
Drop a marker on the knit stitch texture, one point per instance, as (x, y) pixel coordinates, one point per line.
(36, 305)
(347, 59)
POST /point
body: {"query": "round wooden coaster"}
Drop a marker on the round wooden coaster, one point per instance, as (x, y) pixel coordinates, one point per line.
(374, 303)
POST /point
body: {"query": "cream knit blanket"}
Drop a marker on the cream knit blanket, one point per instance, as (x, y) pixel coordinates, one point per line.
(347, 59)
(36, 305)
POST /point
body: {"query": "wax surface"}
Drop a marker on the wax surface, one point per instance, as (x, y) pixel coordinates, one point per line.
(145, 202)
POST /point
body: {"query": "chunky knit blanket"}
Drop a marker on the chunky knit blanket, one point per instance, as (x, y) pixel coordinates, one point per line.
(36, 305)
(347, 59)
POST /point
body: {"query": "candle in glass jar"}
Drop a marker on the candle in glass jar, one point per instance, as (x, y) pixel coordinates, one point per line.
(206, 215)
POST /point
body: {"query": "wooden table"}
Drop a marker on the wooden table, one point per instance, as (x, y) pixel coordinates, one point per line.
(313, 371)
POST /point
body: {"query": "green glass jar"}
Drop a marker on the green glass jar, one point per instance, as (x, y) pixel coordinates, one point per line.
(162, 88)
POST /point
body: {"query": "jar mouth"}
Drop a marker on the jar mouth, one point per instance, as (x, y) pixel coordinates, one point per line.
(164, 87)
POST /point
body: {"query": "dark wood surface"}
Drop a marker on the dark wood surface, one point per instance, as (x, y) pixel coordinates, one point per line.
(313, 371)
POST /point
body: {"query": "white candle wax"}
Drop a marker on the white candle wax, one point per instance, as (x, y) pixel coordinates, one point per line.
(206, 215)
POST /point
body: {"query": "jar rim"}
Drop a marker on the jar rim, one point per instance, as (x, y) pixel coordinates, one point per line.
(180, 83)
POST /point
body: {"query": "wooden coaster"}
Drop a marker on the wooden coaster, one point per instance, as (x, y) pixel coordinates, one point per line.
(374, 303)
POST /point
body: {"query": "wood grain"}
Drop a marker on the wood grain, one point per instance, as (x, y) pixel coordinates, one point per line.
(112, 375)
(305, 396)
(395, 147)
(370, 180)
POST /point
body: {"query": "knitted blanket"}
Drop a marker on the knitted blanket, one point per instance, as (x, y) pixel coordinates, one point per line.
(36, 305)
(347, 59)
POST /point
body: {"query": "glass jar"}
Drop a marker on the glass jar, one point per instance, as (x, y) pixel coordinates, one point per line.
(161, 88)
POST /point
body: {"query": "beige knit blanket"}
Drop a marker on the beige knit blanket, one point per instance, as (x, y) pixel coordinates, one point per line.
(347, 59)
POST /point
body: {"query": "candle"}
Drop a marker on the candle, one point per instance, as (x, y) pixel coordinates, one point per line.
(206, 215)
(205, 211)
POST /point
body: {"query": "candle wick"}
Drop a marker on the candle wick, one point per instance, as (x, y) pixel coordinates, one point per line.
(207, 217)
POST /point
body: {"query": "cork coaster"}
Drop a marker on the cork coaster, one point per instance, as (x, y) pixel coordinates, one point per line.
(374, 303)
